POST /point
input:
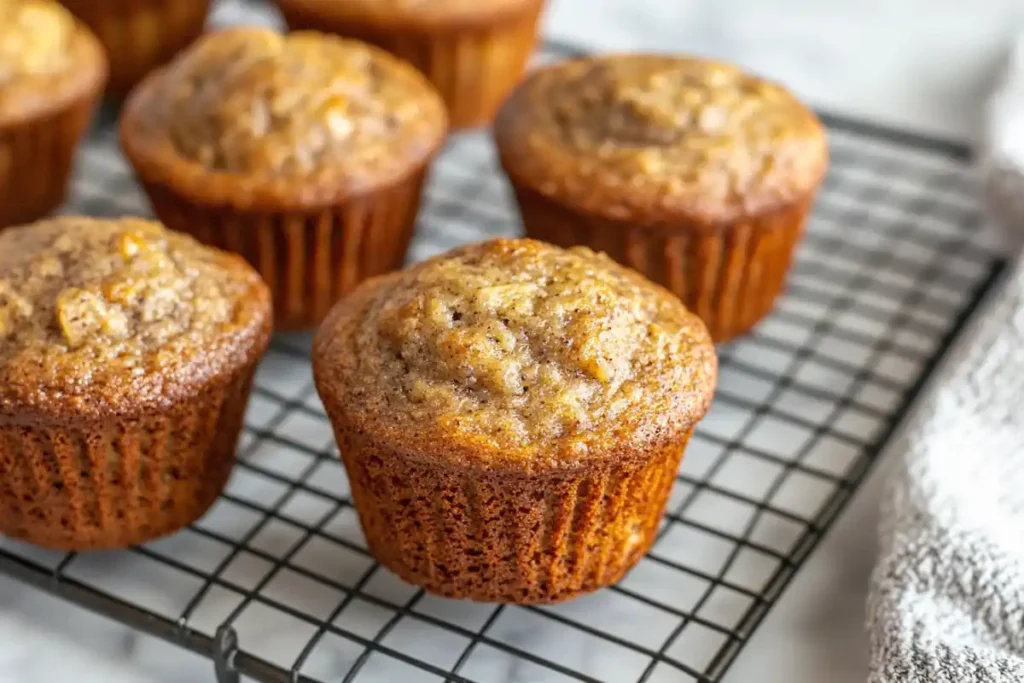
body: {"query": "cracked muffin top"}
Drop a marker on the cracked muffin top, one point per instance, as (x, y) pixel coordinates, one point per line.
(46, 56)
(308, 109)
(622, 135)
(516, 346)
(103, 313)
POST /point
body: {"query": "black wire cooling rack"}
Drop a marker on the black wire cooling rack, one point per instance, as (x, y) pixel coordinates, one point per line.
(276, 584)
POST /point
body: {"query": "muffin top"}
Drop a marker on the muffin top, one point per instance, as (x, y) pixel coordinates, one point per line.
(660, 137)
(414, 13)
(46, 56)
(317, 114)
(100, 316)
(515, 348)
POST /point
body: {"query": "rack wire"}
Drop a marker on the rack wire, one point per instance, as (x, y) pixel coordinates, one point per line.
(275, 583)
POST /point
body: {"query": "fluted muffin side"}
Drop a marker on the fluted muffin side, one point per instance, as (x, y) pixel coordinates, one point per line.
(309, 259)
(104, 483)
(730, 276)
(140, 35)
(501, 536)
(37, 155)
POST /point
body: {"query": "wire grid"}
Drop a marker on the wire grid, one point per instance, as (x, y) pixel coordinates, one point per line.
(276, 581)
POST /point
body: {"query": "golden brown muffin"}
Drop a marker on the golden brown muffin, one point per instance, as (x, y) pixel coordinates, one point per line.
(306, 154)
(126, 356)
(692, 172)
(52, 72)
(473, 51)
(140, 35)
(512, 416)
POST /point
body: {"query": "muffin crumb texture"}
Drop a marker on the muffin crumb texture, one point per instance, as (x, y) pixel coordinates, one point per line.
(520, 343)
(35, 39)
(91, 305)
(662, 131)
(253, 101)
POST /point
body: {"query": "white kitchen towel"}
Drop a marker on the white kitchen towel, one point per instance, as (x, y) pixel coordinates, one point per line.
(947, 600)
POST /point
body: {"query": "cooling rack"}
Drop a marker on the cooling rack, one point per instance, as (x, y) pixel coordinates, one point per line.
(275, 583)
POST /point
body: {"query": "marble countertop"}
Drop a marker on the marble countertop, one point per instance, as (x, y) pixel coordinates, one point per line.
(917, 64)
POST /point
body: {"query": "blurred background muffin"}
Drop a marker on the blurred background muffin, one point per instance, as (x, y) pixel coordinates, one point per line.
(692, 172)
(512, 416)
(305, 153)
(473, 51)
(126, 356)
(139, 35)
(52, 72)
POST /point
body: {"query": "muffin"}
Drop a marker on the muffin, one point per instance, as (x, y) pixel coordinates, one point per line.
(139, 35)
(126, 356)
(512, 416)
(305, 154)
(696, 174)
(52, 72)
(473, 51)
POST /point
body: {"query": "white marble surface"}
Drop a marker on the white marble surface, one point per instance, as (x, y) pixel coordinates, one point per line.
(921, 64)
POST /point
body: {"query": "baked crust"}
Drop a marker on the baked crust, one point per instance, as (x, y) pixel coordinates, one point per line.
(660, 140)
(514, 353)
(281, 123)
(114, 318)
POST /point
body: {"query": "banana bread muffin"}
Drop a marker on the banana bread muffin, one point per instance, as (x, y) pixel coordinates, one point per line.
(692, 172)
(304, 153)
(512, 416)
(52, 72)
(473, 51)
(139, 35)
(126, 357)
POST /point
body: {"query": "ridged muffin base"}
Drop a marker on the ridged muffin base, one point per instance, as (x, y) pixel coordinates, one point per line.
(502, 536)
(140, 35)
(103, 483)
(309, 259)
(36, 159)
(730, 275)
